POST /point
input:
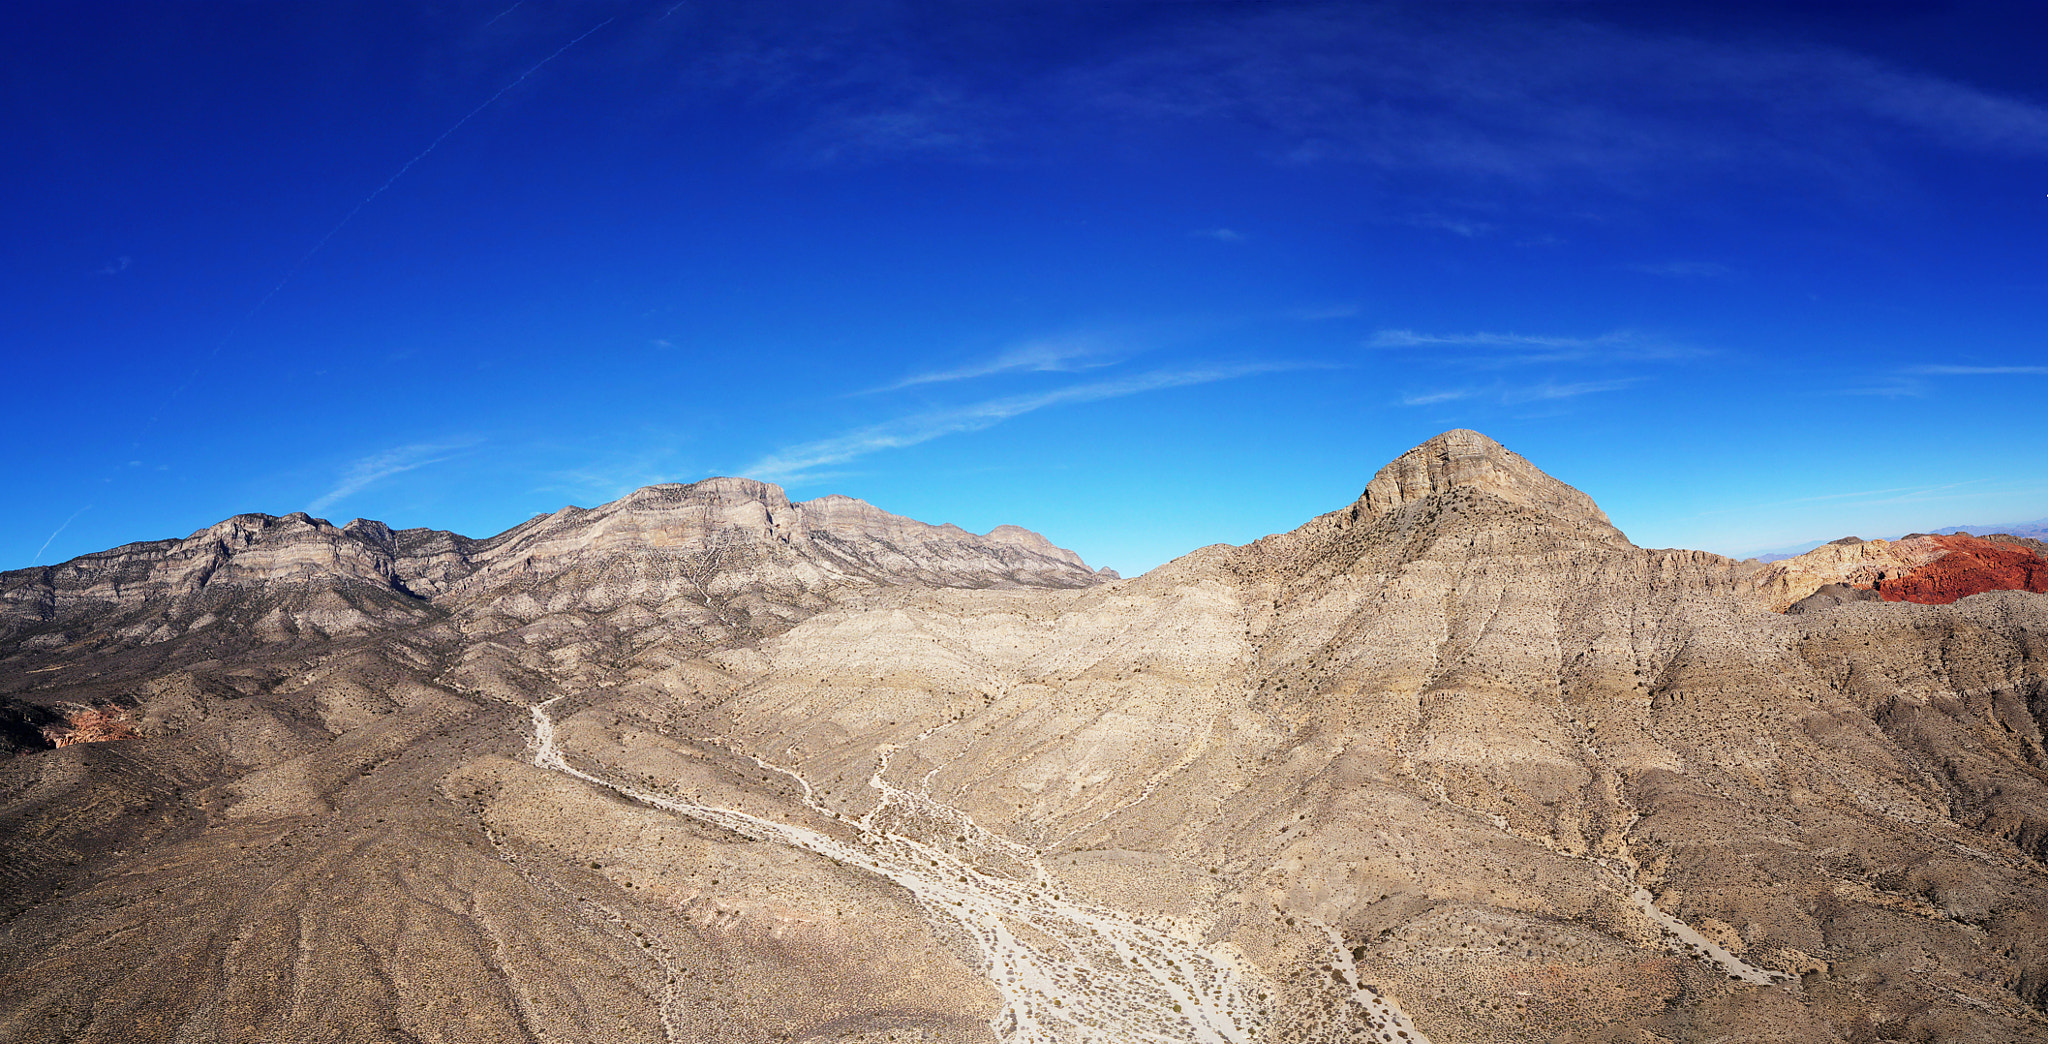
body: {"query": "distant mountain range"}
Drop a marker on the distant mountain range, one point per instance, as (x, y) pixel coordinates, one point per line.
(2037, 529)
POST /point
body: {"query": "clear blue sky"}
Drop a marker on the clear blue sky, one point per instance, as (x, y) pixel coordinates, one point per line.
(1141, 276)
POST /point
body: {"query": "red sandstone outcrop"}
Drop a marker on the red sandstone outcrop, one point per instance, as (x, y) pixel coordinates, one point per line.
(1848, 561)
(1930, 570)
(1972, 565)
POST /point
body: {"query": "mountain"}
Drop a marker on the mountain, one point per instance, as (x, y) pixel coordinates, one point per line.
(2036, 530)
(1453, 762)
(1779, 554)
(696, 564)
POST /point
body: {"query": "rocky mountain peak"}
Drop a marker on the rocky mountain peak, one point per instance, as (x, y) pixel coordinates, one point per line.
(723, 489)
(1018, 536)
(1461, 458)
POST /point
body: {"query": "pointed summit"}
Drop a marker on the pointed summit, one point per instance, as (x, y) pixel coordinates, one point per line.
(1461, 458)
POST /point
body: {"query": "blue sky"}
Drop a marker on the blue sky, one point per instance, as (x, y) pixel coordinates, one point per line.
(1140, 276)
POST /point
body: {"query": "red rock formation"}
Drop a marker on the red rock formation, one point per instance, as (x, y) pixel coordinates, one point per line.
(90, 725)
(1971, 566)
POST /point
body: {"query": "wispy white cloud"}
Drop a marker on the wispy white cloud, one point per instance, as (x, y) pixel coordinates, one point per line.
(1432, 398)
(802, 460)
(1533, 99)
(1515, 349)
(116, 266)
(1411, 339)
(1891, 493)
(1685, 269)
(1522, 394)
(1887, 388)
(1549, 391)
(939, 123)
(1050, 355)
(608, 477)
(1220, 235)
(1466, 228)
(1977, 371)
(1909, 383)
(375, 468)
(1965, 489)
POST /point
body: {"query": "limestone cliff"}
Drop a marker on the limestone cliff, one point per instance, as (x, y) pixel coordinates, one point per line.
(1463, 459)
(714, 557)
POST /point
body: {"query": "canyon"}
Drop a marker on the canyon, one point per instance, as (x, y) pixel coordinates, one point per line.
(1454, 762)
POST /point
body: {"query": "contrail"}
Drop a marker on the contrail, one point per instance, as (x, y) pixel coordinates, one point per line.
(38, 559)
(236, 328)
(501, 14)
(431, 146)
(357, 209)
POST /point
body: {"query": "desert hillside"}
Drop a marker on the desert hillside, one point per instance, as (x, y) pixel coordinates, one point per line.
(1456, 762)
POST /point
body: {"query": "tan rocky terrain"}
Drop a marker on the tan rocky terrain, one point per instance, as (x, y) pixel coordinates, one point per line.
(1456, 762)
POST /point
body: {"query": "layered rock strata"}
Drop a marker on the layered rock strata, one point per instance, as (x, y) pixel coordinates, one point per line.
(1455, 762)
(699, 563)
(1930, 570)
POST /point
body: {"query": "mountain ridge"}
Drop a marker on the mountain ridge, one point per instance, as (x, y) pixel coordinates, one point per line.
(2034, 530)
(1455, 762)
(669, 532)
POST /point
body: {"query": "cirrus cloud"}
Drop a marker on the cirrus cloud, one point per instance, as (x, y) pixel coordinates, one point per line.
(801, 460)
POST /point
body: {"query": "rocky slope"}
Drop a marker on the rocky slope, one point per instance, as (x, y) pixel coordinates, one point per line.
(698, 563)
(1455, 762)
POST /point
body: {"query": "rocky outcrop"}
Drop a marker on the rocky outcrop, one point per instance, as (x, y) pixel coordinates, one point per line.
(1970, 566)
(277, 576)
(1463, 459)
(249, 551)
(102, 724)
(1923, 568)
(1848, 561)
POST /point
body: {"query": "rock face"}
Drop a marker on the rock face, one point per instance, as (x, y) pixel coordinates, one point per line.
(700, 563)
(1455, 762)
(1971, 566)
(1463, 459)
(1848, 561)
(1930, 570)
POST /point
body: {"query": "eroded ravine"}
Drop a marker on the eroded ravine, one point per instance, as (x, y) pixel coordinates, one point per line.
(1087, 974)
